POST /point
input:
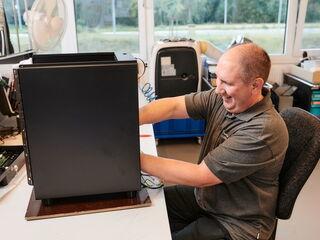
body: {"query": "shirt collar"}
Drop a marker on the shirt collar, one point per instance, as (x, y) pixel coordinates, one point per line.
(260, 107)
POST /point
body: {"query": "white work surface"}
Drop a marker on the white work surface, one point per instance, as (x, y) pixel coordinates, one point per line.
(149, 223)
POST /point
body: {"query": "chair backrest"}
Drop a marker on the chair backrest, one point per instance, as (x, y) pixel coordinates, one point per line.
(301, 157)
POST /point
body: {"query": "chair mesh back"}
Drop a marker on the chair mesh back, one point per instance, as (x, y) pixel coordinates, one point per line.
(301, 157)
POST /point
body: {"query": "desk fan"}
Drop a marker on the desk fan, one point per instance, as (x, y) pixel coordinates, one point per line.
(46, 23)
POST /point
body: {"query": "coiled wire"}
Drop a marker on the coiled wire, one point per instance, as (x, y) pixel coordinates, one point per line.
(148, 92)
(147, 89)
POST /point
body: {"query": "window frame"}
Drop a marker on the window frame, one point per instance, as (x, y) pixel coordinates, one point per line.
(292, 41)
(288, 55)
(146, 25)
(299, 32)
(69, 43)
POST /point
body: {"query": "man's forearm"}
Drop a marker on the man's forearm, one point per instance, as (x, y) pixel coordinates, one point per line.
(155, 111)
(163, 109)
(178, 172)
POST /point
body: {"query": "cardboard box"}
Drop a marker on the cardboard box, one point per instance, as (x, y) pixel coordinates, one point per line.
(285, 102)
(310, 76)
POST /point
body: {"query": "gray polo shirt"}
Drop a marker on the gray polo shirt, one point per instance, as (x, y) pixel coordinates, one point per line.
(245, 151)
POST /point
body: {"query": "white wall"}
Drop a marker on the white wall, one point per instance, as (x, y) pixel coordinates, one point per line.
(277, 71)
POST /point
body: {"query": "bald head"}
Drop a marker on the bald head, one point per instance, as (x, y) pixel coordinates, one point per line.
(254, 62)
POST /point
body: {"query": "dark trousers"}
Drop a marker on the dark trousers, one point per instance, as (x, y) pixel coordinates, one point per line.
(187, 220)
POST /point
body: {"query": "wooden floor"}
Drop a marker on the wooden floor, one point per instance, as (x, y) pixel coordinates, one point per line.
(186, 149)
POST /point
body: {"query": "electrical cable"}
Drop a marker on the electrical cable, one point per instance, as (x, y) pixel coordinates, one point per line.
(148, 92)
(150, 182)
(146, 89)
(4, 134)
(144, 67)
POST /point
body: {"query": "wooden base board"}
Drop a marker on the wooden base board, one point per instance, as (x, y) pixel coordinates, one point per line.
(84, 205)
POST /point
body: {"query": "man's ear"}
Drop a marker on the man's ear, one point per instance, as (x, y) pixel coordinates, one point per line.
(258, 84)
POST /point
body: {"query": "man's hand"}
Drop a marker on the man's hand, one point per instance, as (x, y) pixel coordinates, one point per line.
(178, 172)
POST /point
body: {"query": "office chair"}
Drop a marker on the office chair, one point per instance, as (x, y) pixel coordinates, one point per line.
(301, 158)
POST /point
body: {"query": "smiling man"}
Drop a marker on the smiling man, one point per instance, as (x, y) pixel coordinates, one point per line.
(231, 193)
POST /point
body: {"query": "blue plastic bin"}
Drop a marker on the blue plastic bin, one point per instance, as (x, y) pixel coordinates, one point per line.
(179, 128)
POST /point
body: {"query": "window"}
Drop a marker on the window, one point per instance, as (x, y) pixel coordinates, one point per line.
(311, 30)
(219, 21)
(107, 25)
(14, 11)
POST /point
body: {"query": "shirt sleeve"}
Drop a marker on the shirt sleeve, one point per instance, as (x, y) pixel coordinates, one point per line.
(238, 156)
(198, 104)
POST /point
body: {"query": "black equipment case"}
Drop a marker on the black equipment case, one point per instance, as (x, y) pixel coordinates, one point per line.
(79, 115)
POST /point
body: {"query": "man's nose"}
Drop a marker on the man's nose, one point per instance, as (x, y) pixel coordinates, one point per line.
(219, 89)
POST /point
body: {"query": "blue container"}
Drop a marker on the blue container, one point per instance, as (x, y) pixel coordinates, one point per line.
(179, 128)
(315, 108)
(315, 96)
